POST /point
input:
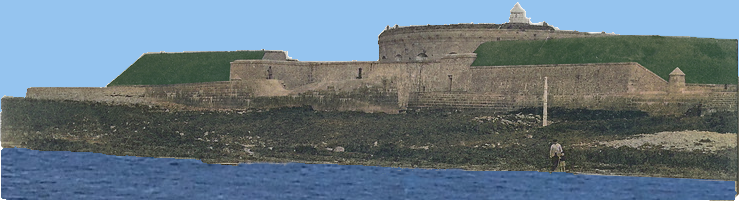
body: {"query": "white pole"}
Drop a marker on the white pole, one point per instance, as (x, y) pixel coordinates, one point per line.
(546, 93)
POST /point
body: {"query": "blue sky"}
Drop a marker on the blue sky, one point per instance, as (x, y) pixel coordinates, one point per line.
(89, 43)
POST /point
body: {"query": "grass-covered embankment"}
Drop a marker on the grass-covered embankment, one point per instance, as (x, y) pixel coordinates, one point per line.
(474, 140)
(703, 60)
(177, 68)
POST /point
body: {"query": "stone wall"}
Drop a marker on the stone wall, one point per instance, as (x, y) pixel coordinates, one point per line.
(366, 98)
(127, 94)
(497, 102)
(406, 77)
(656, 104)
(608, 86)
(710, 88)
(449, 82)
(295, 74)
(224, 94)
(435, 41)
(264, 94)
(460, 100)
(565, 79)
(275, 55)
(242, 94)
(427, 84)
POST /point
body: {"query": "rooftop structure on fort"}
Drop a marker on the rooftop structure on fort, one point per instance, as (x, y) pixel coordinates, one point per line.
(518, 15)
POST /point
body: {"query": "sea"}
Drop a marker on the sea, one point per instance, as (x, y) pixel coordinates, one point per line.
(36, 175)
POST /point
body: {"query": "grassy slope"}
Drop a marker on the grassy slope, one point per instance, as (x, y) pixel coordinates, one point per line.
(703, 60)
(154, 69)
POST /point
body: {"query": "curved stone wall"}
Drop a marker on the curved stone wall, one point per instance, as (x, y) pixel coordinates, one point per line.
(432, 42)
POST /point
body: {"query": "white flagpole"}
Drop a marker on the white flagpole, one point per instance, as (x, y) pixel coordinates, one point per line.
(546, 93)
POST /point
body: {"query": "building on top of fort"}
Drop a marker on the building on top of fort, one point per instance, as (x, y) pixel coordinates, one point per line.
(518, 15)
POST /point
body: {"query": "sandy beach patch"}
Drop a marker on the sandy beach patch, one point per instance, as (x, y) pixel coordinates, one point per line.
(680, 140)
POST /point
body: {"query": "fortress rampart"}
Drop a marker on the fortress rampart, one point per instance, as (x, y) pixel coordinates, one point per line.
(131, 95)
(430, 42)
(450, 82)
(238, 94)
(427, 67)
(566, 79)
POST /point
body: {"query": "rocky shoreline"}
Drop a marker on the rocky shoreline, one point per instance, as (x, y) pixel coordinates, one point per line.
(470, 140)
(500, 165)
(607, 170)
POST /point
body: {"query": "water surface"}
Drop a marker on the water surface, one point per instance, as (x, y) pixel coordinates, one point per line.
(30, 174)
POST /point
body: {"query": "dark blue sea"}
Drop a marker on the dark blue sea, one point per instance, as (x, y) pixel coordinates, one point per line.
(30, 174)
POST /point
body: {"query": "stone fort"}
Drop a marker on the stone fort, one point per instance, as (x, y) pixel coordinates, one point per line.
(427, 66)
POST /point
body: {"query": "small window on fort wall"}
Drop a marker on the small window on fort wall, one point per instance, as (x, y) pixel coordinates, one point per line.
(383, 57)
(269, 73)
(498, 38)
(359, 75)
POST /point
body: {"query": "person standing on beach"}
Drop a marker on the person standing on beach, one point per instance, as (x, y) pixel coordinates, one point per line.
(555, 151)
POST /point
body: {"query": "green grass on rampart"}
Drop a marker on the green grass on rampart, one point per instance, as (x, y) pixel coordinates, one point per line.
(703, 60)
(176, 68)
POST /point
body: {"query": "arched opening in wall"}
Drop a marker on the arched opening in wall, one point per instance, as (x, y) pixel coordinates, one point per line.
(383, 57)
(398, 57)
(498, 39)
(269, 73)
(359, 74)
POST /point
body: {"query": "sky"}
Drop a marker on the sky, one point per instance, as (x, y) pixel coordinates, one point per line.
(89, 43)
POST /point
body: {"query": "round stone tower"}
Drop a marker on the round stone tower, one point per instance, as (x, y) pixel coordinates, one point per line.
(432, 42)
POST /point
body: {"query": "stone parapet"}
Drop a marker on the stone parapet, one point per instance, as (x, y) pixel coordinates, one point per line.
(565, 79)
(662, 104)
(97, 94)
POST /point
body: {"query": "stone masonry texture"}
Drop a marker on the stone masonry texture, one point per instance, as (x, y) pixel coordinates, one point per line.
(425, 67)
